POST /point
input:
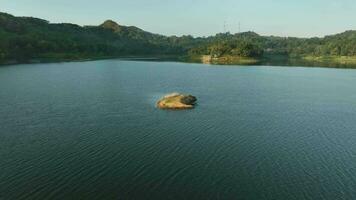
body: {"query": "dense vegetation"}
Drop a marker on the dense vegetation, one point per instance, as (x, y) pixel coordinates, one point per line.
(250, 44)
(247, 44)
(24, 39)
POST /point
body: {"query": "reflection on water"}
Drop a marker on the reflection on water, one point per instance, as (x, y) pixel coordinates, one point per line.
(264, 61)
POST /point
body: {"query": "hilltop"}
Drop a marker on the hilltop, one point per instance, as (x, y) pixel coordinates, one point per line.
(110, 24)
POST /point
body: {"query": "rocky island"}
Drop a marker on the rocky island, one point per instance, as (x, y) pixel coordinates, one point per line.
(177, 101)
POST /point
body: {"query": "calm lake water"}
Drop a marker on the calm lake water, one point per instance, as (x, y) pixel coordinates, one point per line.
(90, 130)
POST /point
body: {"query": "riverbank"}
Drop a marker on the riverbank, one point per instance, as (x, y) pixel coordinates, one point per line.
(65, 59)
(277, 60)
(267, 60)
(223, 60)
(334, 59)
(55, 59)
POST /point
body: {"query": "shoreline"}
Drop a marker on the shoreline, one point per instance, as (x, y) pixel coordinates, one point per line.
(338, 59)
(347, 62)
(67, 60)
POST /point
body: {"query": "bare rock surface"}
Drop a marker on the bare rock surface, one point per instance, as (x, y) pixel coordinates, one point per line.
(177, 101)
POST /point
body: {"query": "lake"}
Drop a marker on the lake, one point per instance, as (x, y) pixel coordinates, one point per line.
(90, 130)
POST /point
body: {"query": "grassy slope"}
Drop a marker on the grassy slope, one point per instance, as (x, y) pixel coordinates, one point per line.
(334, 59)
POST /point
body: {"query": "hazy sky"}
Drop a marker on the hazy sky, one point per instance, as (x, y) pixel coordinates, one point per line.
(303, 18)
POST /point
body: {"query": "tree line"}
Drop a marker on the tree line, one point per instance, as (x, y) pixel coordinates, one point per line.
(26, 38)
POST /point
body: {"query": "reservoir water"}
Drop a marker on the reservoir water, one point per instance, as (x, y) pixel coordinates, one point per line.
(90, 130)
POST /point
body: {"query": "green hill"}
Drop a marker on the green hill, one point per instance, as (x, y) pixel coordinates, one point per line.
(25, 39)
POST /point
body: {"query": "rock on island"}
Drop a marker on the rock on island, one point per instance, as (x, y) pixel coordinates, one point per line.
(177, 101)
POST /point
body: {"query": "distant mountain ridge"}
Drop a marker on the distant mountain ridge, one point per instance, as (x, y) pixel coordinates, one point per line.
(26, 38)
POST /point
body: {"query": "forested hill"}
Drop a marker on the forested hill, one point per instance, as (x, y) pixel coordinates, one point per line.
(250, 44)
(24, 39)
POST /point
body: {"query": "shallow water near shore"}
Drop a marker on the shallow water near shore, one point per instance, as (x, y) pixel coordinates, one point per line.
(91, 130)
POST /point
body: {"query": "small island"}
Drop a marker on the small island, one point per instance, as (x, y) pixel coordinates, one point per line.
(177, 101)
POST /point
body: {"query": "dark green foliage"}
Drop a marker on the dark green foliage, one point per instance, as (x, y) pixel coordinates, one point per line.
(343, 44)
(250, 44)
(247, 44)
(25, 38)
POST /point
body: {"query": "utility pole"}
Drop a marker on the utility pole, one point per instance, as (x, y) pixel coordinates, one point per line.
(224, 26)
(239, 27)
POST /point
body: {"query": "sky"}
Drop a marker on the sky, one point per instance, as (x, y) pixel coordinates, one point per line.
(299, 18)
